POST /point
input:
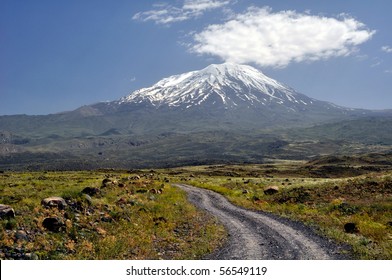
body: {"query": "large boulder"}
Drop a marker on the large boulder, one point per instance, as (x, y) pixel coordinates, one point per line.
(53, 224)
(54, 201)
(6, 211)
(91, 191)
(351, 228)
(270, 190)
(107, 182)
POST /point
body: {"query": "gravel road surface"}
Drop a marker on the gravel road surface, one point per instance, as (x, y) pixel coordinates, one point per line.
(257, 235)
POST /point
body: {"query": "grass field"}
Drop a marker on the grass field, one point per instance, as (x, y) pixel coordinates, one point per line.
(131, 217)
(327, 204)
(140, 215)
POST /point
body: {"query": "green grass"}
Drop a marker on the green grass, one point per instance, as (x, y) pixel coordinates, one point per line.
(323, 203)
(148, 218)
(127, 222)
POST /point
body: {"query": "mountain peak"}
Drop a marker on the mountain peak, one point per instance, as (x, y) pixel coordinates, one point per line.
(227, 67)
(226, 85)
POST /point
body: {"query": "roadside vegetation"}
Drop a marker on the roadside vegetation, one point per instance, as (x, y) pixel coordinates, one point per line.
(139, 214)
(108, 215)
(350, 210)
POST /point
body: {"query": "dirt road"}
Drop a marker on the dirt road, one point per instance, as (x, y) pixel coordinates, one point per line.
(256, 235)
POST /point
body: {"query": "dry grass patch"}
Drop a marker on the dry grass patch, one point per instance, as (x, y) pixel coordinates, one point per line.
(131, 217)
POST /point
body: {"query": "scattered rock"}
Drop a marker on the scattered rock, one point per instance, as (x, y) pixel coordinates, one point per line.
(54, 201)
(6, 211)
(351, 228)
(135, 178)
(107, 182)
(31, 256)
(141, 191)
(75, 206)
(53, 224)
(91, 191)
(11, 253)
(155, 191)
(270, 190)
(106, 218)
(21, 235)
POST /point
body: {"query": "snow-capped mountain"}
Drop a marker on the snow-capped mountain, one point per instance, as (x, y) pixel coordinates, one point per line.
(221, 85)
(223, 113)
(217, 98)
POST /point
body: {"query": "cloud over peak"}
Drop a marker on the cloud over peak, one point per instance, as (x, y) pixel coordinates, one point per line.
(265, 38)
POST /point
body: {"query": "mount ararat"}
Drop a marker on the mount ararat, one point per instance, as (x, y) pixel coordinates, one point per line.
(222, 113)
(223, 96)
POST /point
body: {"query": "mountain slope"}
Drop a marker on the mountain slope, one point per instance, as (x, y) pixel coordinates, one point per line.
(224, 96)
(223, 113)
(218, 97)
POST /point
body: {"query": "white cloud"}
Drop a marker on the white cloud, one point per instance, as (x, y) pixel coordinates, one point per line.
(276, 39)
(387, 49)
(167, 14)
(204, 5)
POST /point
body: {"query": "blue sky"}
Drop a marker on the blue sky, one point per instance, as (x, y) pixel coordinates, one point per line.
(59, 55)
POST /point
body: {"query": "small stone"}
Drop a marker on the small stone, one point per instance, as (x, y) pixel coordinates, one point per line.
(31, 256)
(21, 235)
(6, 212)
(135, 178)
(106, 182)
(106, 218)
(54, 201)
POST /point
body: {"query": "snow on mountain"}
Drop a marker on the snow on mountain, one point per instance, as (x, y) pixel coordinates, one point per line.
(227, 84)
